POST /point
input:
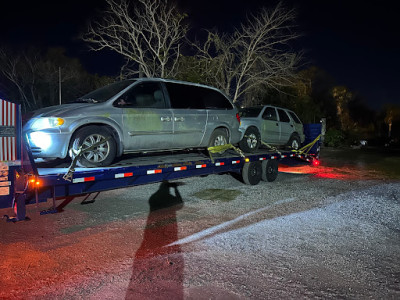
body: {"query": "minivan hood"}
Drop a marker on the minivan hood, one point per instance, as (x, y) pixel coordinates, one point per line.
(61, 110)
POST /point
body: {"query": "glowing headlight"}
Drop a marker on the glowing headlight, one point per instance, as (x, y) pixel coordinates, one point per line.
(44, 123)
(41, 139)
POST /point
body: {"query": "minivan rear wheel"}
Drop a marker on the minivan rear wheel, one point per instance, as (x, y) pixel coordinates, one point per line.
(218, 138)
(294, 142)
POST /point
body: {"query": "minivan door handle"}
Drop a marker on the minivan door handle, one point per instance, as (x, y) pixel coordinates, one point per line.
(165, 119)
(179, 119)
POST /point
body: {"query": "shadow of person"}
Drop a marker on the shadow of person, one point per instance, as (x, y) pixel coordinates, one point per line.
(157, 271)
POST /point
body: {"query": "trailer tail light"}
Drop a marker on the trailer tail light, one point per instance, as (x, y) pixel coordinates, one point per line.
(238, 117)
(316, 163)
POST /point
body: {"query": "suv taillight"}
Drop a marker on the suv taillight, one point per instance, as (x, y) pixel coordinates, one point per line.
(238, 117)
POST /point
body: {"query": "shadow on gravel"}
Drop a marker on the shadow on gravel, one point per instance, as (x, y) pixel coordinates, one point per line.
(157, 272)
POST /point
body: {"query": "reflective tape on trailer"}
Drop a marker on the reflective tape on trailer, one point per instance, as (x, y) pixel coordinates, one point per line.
(262, 158)
(83, 179)
(218, 164)
(235, 162)
(180, 168)
(123, 175)
(157, 171)
(201, 166)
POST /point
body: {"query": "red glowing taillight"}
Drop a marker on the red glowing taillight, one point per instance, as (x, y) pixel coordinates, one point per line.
(316, 163)
(238, 117)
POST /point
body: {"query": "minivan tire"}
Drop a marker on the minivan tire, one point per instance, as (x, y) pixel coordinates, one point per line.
(294, 142)
(219, 137)
(102, 155)
(250, 141)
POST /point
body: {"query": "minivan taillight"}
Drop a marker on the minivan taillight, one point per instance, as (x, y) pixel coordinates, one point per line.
(238, 117)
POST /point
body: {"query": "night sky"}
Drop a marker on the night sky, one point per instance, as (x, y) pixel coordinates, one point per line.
(357, 42)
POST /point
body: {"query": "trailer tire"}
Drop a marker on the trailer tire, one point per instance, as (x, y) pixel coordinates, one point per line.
(102, 155)
(252, 172)
(269, 170)
(250, 141)
(219, 137)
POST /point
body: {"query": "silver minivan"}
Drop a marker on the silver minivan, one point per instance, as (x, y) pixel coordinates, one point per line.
(273, 125)
(138, 115)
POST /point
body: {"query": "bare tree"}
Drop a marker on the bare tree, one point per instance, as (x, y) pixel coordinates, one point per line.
(257, 54)
(149, 35)
(20, 70)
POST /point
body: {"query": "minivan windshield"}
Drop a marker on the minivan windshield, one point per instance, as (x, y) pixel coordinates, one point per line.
(250, 112)
(104, 93)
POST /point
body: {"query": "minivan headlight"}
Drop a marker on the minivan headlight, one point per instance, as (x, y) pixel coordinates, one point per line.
(44, 123)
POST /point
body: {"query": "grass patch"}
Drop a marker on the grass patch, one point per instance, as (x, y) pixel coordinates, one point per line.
(218, 195)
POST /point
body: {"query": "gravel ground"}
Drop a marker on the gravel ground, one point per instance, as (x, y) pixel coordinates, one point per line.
(327, 232)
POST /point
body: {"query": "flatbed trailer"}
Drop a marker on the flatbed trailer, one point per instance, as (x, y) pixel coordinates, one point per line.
(32, 182)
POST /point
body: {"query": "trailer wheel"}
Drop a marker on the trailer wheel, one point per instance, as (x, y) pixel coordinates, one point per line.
(219, 137)
(269, 170)
(252, 172)
(100, 156)
(251, 140)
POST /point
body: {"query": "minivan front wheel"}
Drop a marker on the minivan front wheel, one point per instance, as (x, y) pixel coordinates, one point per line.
(218, 138)
(100, 155)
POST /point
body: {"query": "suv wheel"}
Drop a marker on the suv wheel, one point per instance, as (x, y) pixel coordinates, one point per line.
(251, 140)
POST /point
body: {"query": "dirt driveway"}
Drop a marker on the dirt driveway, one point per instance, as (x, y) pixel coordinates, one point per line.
(326, 232)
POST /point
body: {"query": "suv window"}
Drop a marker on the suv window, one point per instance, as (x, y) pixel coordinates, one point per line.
(250, 112)
(269, 114)
(294, 117)
(283, 117)
(143, 95)
(196, 97)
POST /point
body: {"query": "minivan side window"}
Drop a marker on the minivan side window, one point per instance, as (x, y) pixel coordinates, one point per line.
(283, 117)
(269, 114)
(294, 117)
(215, 100)
(196, 97)
(184, 96)
(143, 95)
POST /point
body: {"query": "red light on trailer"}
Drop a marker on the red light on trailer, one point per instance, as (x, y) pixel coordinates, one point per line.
(316, 163)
